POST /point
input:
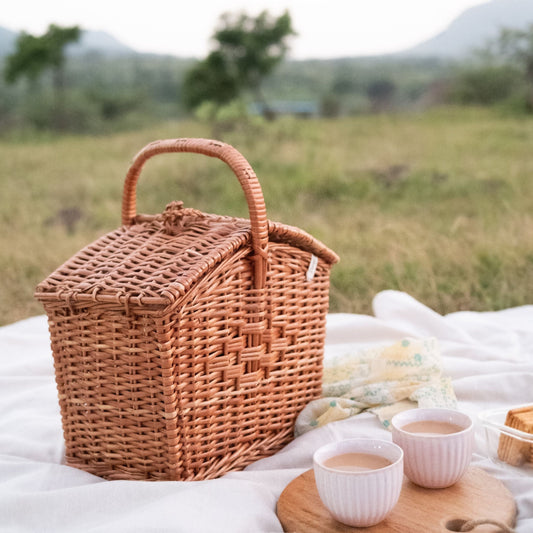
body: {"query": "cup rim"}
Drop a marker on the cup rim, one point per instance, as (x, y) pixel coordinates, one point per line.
(428, 410)
(333, 444)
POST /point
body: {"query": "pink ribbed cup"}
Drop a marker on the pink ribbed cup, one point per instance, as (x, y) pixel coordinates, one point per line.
(359, 499)
(434, 461)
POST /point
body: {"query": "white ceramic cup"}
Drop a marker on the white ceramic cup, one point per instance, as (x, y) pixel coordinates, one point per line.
(434, 460)
(363, 498)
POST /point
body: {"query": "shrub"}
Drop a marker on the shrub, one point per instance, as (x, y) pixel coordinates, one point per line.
(484, 84)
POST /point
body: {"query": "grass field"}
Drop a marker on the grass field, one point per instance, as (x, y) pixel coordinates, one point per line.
(438, 204)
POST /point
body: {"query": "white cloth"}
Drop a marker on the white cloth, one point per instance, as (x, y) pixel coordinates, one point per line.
(488, 355)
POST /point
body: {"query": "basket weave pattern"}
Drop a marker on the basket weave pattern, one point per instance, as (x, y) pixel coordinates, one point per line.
(185, 344)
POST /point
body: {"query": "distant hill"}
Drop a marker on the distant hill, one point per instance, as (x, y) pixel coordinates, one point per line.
(470, 30)
(90, 42)
(100, 42)
(474, 28)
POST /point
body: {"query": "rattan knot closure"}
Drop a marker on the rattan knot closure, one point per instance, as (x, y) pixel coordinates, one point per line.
(173, 218)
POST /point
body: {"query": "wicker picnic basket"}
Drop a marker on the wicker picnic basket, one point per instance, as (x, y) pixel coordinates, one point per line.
(185, 344)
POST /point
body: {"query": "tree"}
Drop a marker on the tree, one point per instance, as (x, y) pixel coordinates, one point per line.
(34, 55)
(515, 48)
(210, 80)
(380, 93)
(484, 84)
(246, 50)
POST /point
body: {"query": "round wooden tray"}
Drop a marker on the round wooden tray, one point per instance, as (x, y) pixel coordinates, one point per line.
(477, 495)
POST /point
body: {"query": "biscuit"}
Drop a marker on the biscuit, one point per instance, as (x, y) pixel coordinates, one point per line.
(512, 450)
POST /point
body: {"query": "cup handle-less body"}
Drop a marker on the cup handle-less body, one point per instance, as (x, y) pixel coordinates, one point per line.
(434, 461)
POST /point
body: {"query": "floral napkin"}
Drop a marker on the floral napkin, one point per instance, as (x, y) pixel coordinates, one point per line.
(382, 380)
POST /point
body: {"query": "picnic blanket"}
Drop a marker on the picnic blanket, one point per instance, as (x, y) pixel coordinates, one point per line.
(488, 358)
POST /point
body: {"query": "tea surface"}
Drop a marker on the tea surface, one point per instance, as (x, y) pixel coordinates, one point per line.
(356, 462)
(432, 427)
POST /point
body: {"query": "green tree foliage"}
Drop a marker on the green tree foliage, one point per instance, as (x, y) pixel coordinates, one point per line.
(516, 46)
(210, 80)
(500, 72)
(246, 50)
(34, 55)
(484, 84)
(380, 93)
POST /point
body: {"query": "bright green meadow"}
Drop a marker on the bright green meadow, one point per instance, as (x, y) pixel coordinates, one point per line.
(437, 204)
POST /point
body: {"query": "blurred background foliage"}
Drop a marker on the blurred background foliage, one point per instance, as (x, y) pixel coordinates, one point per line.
(44, 87)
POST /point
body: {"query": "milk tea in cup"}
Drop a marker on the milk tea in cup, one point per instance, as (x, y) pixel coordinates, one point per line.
(359, 480)
(437, 445)
(432, 427)
(356, 462)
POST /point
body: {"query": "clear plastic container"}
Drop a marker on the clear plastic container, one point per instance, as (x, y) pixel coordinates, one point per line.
(505, 445)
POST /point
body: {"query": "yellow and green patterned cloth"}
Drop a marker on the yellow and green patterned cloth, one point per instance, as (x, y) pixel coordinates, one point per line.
(382, 380)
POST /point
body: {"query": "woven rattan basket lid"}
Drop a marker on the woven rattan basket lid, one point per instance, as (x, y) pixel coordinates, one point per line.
(153, 260)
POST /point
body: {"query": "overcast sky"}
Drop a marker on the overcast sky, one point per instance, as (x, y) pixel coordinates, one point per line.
(326, 28)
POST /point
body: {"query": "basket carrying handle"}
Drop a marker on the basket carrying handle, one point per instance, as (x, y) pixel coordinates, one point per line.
(240, 167)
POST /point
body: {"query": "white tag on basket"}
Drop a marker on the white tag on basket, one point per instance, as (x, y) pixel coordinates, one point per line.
(312, 268)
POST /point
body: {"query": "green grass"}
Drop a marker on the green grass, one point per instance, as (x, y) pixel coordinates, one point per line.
(437, 204)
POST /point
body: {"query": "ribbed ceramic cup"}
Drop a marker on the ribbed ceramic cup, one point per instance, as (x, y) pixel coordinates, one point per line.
(432, 460)
(363, 498)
